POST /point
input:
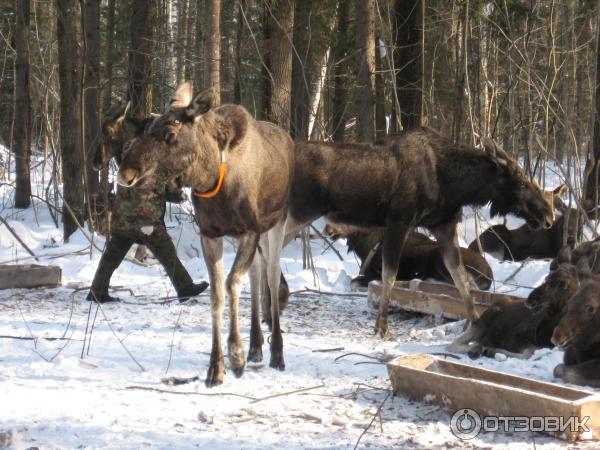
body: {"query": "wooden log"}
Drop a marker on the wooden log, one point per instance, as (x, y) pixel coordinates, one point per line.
(457, 387)
(29, 276)
(433, 298)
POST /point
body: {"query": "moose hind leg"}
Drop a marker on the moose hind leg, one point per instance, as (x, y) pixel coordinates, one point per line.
(275, 238)
(247, 244)
(256, 335)
(448, 244)
(393, 243)
(212, 249)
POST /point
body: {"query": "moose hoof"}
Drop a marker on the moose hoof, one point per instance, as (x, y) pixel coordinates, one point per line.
(255, 354)
(277, 362)
(236, 357)
(475, 352)
(238, 371)
(559, 371)
(381, 327)
(215, 374)
(383, 332)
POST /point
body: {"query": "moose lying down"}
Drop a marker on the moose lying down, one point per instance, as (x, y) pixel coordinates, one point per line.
(240, 171)
(525, 242)
(419, 180)
(578, 333)
(517, 328)
(420, 258)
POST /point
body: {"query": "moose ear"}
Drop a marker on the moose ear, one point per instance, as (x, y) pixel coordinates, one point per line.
(583, 268)
(124, 112)
(496, 153)
(182, 97)
(564, 255)
(201, 103)
(117, 113)
(562, 189)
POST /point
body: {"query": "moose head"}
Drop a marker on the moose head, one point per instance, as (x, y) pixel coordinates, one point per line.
(515, 193)
(117, 129)
(579, 326)
(560, 285)
(190, 134)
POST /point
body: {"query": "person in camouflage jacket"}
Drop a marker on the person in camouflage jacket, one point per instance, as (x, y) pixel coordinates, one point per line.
(137, 216)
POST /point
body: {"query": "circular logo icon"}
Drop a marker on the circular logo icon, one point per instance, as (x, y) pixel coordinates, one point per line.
(465, 424)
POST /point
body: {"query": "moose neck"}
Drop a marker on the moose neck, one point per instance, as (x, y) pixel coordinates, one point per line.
(469, 178)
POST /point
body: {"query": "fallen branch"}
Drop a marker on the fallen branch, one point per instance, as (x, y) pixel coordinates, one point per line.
(377, 413)
(288, 393)
(28, 338)
(117, 337)
(376, 358)
(327, 350)
(19, 240)
(328, 242)
(205, 394)
(340, 294)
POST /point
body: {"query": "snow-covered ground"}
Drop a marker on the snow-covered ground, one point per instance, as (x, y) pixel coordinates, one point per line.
(114, 397)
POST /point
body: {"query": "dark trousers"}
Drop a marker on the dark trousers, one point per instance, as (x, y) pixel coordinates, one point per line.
(161, 246)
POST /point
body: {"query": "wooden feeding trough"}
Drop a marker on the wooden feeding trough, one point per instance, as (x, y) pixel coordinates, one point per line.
(433, 298)
(458, 387)
(29, 276)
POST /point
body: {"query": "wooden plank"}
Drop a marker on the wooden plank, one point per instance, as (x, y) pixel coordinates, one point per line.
(433, 298)
(458, 386)
(29, 276)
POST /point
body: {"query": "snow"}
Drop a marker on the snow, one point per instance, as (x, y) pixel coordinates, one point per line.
(113, 397)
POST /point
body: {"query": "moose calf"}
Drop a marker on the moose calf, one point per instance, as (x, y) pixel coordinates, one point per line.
(516, 328)
(579, 333)
(420, 258)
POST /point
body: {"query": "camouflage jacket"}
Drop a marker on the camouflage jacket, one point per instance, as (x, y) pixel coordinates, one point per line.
(141, 211)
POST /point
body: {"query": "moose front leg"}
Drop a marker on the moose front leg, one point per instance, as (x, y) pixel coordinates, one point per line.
(212, 249)
(247, 244)
(393, 242)
(447, 240)
(584, 374)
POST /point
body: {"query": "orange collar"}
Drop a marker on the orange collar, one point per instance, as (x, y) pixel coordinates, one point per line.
(213, 193)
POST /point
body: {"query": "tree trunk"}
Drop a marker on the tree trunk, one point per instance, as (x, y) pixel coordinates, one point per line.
(267, 85)
(22, 114)
(593, 181)
(200, 43)
(380, 122)
(340, 72)
(365, 89)
(171, 57)
(189, 40)
(281, 24)
(110, 45)
(239, 37)
(93, 137)
(459, 20)
(212, 52)
(141, 53)
(181, 38)
(300, 72)
(407, 59)
(69, 72)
